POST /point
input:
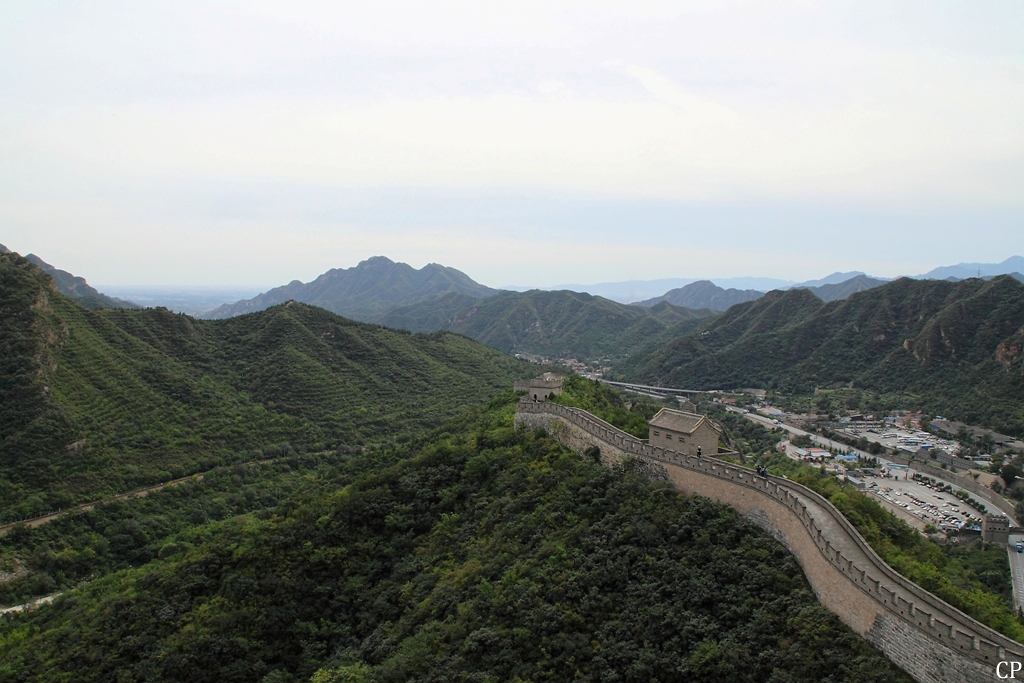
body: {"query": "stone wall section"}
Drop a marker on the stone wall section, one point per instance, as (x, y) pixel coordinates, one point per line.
(930, 639)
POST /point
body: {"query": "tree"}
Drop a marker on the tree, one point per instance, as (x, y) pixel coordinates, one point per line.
(1009, 472)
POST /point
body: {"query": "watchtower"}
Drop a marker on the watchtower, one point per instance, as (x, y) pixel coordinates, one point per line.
(996, 529)
(539, 388)
(684, 432)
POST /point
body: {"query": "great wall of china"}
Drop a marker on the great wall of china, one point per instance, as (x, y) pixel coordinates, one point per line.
(928, 638)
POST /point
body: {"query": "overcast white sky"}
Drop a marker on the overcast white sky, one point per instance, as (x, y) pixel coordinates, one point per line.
(523, 143)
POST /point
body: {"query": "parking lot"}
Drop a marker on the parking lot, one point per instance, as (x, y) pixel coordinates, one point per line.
(906, 440)
(920, 504)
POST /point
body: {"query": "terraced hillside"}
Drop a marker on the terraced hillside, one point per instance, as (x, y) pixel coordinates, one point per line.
(957, 347)
(98, 401)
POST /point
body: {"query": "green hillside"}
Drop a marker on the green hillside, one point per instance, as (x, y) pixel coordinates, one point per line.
(558, 323)
(365, 291)
(472, 554)
(954, 347)
(428, 314)
(98, 401)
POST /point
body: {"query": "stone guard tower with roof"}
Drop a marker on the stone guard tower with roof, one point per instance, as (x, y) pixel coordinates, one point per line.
(684, 432)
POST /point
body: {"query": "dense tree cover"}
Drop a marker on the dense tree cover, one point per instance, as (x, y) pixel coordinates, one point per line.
(974, 578)
(37, 561)
(100, 401)
(608, 404)
(952, 348)
(751, 439)
(473, 554)
(559, 324)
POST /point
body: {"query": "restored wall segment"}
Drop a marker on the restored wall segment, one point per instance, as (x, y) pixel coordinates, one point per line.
(931, 640)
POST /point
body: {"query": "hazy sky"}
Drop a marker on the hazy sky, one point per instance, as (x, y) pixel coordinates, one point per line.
(523, 142)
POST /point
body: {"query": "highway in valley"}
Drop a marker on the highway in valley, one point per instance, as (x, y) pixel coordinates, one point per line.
(1017, 569)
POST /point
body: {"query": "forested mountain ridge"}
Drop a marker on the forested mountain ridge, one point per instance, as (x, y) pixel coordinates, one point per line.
(555, 323)
(78, 289)
(957, 347)
(472, 553)
(365, 291)
(100, 401)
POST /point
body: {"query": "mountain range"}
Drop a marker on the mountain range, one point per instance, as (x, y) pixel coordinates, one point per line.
(632, 291)
(706, 294)
(956, 347)
(558, 324)
(363, 292)
(962, 271)
(639, 291)
(100, 401)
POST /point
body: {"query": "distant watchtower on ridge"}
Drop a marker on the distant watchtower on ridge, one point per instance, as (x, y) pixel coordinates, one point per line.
(539, 388)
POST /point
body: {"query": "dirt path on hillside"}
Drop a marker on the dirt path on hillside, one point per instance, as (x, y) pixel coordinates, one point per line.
(137, 493)
(31, 605)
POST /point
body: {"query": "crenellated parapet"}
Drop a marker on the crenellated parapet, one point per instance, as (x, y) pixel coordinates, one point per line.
(926, 636)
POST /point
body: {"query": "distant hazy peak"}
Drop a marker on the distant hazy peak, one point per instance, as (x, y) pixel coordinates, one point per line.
(962, 271)
(705, 294)
(843, 290)
(833, 279)
(375, 262)
(365, 291)
(4, 250)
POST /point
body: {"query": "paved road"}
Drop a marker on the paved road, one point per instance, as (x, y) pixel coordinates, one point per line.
(1017, 569)
(816, 438)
